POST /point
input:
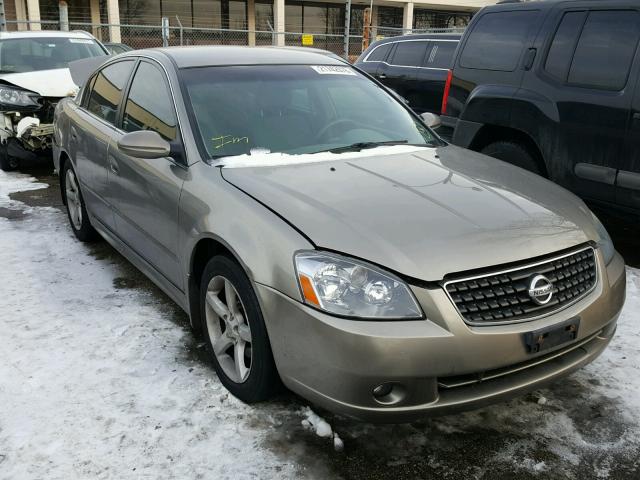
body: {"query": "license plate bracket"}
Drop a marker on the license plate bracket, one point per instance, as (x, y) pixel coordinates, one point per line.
(553, 336)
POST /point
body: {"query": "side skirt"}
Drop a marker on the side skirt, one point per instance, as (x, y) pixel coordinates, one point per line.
(141, 264)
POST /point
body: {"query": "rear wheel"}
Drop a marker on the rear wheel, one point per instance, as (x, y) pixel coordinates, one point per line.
(7, 162)
(78, 216)
(515, 153)
(235, 333)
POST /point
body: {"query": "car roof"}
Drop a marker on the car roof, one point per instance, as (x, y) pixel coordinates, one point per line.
(214, 55)
(46, 34)
(510, 4)
(420, 36)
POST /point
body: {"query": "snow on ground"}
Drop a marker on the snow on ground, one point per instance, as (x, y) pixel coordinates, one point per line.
(93, 380)
(101, 378)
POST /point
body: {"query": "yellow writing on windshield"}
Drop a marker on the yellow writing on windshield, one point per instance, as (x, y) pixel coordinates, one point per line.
(224, 140)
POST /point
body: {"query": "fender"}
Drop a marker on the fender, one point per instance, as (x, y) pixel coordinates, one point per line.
(485, 105)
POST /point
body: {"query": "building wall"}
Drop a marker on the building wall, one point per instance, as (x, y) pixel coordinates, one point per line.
(319, 17)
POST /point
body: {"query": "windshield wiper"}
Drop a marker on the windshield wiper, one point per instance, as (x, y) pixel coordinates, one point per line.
(356, 147)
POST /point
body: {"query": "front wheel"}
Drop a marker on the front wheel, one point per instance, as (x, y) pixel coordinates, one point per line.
(235, 333)
(76, 210)
(7, 162)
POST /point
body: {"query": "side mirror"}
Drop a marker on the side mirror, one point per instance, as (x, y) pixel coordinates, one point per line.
(144, 144)
(431, 119)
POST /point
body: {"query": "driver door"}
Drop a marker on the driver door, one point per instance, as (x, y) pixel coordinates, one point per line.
(147, 191)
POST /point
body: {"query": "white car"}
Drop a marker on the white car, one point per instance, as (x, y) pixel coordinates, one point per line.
(34, 76)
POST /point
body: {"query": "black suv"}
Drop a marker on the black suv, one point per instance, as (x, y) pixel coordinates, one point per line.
(414, 66)
(553, 86)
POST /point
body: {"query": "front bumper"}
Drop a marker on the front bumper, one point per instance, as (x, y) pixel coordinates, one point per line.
(439, 365)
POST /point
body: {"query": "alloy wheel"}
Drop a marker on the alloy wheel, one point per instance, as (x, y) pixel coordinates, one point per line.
(229, 330)
(74, 204)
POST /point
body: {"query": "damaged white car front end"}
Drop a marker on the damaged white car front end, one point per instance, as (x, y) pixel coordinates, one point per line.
(27, 103)
(34, 77)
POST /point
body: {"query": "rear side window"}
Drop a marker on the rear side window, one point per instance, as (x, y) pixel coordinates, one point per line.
(563, 44)
(106, 91)
(409, 54)
(605, 50)
(440, 55)
(379, 53)
(497, 40)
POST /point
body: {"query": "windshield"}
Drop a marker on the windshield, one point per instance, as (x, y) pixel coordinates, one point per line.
(295, 109)
(20, 55)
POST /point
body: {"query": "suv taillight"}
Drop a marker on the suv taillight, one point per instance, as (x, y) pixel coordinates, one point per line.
(445, 96)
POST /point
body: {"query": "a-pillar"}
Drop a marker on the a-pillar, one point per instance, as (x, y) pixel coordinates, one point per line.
(113, 18)
(407, 18)
(33, 11)
(251, 22)
(278, 20)
(94, 5)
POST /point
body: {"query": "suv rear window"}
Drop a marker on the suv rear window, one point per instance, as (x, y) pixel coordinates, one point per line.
(563, 45)
(497, 40)
(605, 50)
(440, 55)
(379, 53)
(409, 53)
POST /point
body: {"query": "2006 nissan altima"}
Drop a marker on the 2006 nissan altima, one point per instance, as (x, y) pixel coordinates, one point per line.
(318, 233)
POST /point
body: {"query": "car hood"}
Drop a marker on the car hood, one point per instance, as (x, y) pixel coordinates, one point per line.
(423, 214)
(47, 83)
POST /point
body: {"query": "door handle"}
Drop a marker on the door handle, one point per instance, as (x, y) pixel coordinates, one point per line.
(382, 76)
(113, 168)
(529, 57)
(636, 116)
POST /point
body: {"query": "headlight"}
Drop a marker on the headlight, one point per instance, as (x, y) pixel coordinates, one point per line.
(15, 98)
(341, 286)
(604, 243)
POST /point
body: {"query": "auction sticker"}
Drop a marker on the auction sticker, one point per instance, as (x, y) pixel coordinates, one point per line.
(333, 70)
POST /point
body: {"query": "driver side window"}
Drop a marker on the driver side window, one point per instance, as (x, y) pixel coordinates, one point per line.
(149, 105)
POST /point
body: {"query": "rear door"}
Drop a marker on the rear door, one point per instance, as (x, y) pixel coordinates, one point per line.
(400, 71)
(148, 191)
(433, 75)
(585, 73)
(90, 134)
(628, 182)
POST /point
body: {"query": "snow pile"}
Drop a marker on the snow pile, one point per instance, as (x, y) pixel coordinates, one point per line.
(312, 421)
(260, 158)
(100, 381)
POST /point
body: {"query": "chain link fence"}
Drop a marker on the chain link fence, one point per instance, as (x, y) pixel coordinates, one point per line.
(150, 36)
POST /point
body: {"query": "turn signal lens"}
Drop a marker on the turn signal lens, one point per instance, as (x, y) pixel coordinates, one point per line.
(307, 290)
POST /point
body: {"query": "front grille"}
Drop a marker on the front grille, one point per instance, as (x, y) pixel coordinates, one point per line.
(503, 296)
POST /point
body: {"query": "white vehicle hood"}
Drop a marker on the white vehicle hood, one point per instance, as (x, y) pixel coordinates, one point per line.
(47, 83)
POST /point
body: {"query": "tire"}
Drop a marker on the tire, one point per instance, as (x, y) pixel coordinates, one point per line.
(514, 153)
(7, 163)
(76, 209)
(238, 344)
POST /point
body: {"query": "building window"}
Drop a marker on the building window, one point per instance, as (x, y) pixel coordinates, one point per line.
(264, 16)
(197, 13)
(390, 17)
(426, 19)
